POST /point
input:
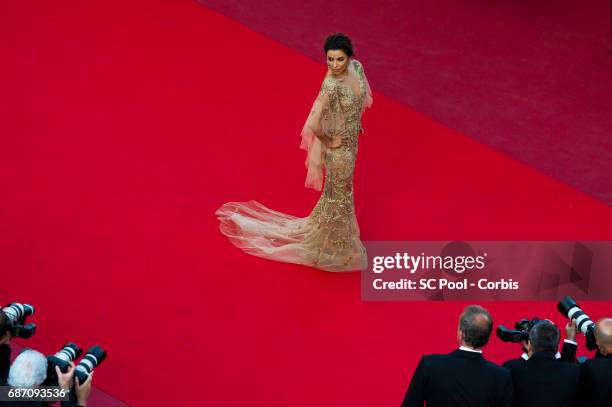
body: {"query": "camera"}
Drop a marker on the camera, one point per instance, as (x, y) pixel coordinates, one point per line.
(520, 332)
(68, 353)
(570, 309)
(94, 356)
(16, 314)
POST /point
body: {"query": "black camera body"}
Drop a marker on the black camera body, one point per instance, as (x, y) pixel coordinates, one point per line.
(520, 332)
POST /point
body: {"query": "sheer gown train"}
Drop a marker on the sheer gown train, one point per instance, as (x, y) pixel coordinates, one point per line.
(328, 238)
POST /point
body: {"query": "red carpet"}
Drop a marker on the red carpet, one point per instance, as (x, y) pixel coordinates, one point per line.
(125, 126)
(530, 79)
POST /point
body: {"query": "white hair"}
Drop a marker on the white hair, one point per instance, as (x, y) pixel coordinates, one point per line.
(29, 369)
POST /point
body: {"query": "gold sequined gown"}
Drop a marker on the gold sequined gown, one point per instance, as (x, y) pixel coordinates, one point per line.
(328, 238)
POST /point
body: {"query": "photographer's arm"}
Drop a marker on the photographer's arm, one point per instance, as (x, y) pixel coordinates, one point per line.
(568, 350)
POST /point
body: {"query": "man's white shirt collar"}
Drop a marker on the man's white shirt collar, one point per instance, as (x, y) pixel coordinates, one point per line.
(470, 350)
(526, 356)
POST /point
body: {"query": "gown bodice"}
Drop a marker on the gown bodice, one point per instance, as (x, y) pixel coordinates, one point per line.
(342, 114)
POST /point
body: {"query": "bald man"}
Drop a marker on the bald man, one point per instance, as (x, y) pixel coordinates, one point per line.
(463, 378)
(596, 374)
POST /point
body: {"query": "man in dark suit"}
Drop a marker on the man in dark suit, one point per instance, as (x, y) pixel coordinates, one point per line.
(462, 378)
(568, 351)
(543, 380)
(596, 374)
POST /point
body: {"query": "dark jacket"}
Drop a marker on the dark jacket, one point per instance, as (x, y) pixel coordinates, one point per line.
(543, 381)
(459, 379)
(596, 382)
(568, 354)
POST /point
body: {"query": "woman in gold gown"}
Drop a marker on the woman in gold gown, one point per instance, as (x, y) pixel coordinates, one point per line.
(328, 238)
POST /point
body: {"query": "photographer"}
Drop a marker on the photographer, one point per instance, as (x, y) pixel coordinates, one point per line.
(596, 374)
(543, 380)
(463, 377)
(568, 351)
(5, 349)
(29, 370)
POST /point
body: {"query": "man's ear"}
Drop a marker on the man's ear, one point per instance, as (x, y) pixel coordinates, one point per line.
(600, 348)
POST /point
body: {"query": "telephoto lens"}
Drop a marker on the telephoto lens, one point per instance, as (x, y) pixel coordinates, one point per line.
(69, 353)
(94, 356)
(16, 314)
(569, 308)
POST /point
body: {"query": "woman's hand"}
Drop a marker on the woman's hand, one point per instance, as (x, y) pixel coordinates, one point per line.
(333, 140)
(336, 139)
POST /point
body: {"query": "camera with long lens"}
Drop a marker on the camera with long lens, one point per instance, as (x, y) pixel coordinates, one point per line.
(570, 309)
(94, 356)
(16, 314)
(69, 353)
(520, 332)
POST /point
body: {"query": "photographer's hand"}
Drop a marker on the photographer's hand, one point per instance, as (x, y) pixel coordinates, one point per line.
(65, 379)
(82, 390)
(570, 330)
